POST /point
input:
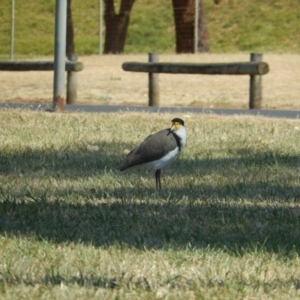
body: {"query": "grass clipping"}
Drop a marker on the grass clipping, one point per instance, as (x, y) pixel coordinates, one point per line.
(226, 223)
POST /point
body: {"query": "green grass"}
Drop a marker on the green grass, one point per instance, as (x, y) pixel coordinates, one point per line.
(234, 26)
(224, 226)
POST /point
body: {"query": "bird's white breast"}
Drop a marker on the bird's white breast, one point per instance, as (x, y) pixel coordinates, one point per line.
(164, 161)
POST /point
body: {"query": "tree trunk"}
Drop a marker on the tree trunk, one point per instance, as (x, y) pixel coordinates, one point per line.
(203, 38)
(116, 26)
(70, 47)
(184, 17)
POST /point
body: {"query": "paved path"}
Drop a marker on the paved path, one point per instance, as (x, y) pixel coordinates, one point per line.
(289, 114)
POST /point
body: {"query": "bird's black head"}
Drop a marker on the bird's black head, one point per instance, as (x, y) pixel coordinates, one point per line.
(178, 120)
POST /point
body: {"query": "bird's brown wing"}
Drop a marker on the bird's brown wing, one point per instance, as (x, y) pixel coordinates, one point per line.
(154, 147)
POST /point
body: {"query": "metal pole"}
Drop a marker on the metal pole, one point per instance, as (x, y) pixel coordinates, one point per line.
(59, 54)
(12, 33)
(196, 29)
(100, 25)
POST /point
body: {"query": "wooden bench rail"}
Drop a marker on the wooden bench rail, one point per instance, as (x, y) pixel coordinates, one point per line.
(243, 68)
(38, 66)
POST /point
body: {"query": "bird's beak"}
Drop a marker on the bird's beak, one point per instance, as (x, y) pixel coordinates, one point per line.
(173, 127)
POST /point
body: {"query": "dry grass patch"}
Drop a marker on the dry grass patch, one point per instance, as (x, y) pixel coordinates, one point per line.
(104, 82)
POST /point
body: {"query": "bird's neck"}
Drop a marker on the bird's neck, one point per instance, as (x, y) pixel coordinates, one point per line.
(180, 136)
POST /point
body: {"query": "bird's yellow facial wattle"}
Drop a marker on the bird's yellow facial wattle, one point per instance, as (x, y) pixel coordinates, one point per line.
(175, 126)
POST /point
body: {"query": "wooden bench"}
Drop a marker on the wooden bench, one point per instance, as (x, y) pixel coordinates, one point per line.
(255, 69)
(71, 67)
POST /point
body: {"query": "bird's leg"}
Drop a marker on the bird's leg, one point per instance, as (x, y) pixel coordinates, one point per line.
(157, 179)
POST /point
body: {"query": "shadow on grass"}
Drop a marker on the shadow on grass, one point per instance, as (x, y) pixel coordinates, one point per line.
(198, 215)
(139, 225)
(77, 161)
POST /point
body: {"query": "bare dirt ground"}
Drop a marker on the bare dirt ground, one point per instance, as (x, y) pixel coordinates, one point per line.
(103, 82)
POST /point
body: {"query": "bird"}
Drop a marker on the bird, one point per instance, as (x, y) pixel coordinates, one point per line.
(158, 150)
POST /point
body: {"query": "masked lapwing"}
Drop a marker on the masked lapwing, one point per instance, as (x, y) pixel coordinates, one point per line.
(158, 150)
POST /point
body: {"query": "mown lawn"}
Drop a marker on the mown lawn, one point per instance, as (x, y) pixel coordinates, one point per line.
(233, 26)
(224, 226)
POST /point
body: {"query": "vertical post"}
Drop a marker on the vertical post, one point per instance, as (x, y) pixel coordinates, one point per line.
(59, 54)
(100, 26)
(153, 82)
(70, 46)
(196, 27)
(255, 85)
(72, 81)
(12, 30)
